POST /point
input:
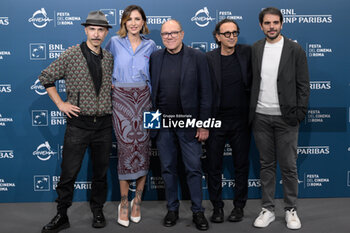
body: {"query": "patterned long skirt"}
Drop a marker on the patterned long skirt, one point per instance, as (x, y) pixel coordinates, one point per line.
(130, 100)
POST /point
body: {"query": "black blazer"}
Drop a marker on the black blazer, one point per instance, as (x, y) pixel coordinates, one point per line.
(293, 86)
(214, 60)
(195, 90)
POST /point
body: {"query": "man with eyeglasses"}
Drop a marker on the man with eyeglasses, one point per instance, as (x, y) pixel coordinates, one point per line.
(181, 86)
(279, 100)
(230, 70)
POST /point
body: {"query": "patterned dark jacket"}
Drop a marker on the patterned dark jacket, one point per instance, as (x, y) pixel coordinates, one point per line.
(72, 67)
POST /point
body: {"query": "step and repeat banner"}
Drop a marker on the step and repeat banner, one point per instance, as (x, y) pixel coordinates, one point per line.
(35, 33)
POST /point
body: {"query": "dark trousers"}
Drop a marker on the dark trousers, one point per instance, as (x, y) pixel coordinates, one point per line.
(277, 141)
(169, 141)
(237, 133)
(76, 141)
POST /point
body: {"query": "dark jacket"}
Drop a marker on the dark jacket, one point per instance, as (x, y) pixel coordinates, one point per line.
(195, 90)
(293, 86)
(243, 53)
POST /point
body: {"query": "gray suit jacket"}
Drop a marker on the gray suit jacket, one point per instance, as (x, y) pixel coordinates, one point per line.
(292, 82)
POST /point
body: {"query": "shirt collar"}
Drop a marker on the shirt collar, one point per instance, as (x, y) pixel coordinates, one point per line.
(87, 49)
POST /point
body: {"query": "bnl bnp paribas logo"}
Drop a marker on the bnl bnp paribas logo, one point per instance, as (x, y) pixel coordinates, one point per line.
(4, 21)
(5, 88)
(202, 17)
(202, 46)
(6, 154)
(37, 51)
(41, 118)
(320, 85)
(151, 19)
(111, 15)
(290, 16)
(41, 183)
(39, 18)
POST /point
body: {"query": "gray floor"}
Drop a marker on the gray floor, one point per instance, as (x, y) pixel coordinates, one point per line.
(330, 215)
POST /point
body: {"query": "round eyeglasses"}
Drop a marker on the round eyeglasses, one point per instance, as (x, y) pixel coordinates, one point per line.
(228, 34)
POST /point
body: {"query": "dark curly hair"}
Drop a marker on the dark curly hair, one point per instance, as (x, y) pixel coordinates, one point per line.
(217, 28)
(271, 11)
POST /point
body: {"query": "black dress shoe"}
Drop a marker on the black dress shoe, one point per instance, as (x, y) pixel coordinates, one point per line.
(58, 223)
(218, 215)
(170, 218)
(236, 215)
(98, 219)
(200, 221)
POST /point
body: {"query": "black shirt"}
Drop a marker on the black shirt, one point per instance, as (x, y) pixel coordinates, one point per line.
(94, 63)
(169, 100)
(233, 97)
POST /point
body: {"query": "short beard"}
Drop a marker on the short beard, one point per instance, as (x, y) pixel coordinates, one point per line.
(274, 37)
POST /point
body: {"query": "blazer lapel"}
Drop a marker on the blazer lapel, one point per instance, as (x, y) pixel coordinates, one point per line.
(186, 59)
(286, 51)
(242, 63)
(217, 67)
(260, 51)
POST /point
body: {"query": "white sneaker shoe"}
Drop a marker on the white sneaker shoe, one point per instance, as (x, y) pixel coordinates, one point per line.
(292, 219)
(264, 219)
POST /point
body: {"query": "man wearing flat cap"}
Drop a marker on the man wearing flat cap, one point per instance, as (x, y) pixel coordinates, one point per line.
(87, 71)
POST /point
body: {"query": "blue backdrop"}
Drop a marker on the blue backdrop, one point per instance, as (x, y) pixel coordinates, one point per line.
(34, 33)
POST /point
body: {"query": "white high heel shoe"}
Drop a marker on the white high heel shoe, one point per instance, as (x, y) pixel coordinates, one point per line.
(134, 219)
(124, 223)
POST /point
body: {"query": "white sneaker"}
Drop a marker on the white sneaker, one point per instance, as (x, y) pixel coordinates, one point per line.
(264, 219)
(292, 219)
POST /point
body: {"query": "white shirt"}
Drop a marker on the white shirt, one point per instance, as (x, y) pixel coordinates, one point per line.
(268, 97)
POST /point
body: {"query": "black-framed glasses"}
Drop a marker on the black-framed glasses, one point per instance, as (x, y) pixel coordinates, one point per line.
(228, 34)
(173, 34)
